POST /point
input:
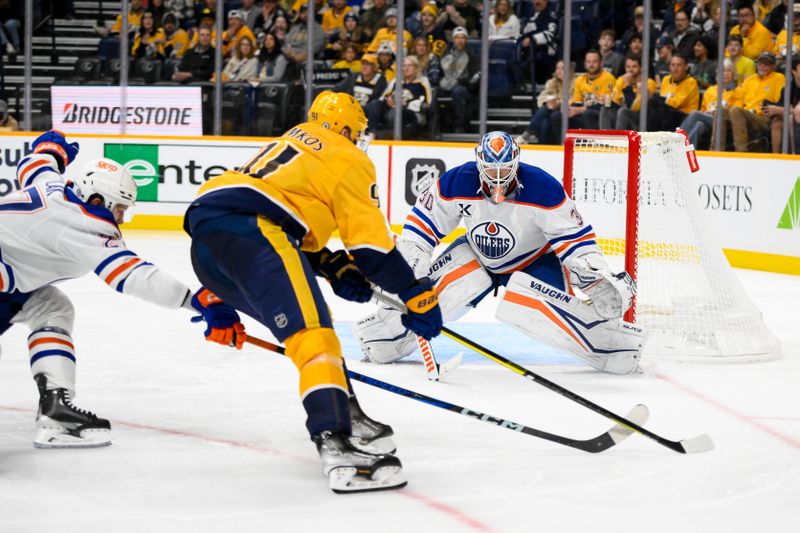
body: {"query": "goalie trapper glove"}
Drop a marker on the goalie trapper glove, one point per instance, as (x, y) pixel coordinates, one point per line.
(223, 325)
(346, 280)
(611, 294)
(423, 316)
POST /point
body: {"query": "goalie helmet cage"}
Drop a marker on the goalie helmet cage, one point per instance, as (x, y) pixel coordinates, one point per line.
(688, 296)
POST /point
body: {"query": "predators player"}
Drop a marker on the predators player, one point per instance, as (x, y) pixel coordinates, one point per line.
(258, 240)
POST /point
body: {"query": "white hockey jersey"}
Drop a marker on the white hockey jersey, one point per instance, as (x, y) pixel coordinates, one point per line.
(47, 235)
(506, 237)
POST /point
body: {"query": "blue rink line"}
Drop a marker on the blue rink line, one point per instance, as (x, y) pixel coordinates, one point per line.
(499, 338)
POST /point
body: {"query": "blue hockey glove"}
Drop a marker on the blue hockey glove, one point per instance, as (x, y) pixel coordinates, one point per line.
(54, 144)
(345, 279)
(424, 316)
(223, 325)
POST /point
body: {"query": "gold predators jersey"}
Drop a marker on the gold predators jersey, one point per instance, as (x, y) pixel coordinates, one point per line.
(310, 181)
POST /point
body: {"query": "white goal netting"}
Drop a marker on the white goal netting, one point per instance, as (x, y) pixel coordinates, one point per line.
(688, 296)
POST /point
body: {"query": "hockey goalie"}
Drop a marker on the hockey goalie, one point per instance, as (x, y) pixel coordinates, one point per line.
(523, 233)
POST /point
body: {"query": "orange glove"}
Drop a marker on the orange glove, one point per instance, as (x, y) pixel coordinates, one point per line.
(222, 320)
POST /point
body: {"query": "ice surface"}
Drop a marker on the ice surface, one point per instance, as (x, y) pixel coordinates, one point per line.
(209, 439)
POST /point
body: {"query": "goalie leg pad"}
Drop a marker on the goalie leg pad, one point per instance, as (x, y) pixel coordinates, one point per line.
(564, 321)
(460, 279)
(383, 337)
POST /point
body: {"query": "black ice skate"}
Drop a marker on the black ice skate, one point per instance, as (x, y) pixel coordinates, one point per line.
(369, 435)
(349, 469)
(59, 424)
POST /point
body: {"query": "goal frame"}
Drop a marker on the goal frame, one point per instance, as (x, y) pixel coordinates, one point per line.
(634, 140)
(722, 326)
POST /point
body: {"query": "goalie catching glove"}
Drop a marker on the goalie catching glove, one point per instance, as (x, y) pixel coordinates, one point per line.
(610, 294)
(223, 325)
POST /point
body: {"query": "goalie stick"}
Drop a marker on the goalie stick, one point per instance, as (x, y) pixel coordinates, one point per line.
(598, 444)
(434, 370)
(701, 443)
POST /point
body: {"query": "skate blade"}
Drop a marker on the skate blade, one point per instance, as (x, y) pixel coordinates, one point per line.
(345, 480)
(382, 446)
(56, 438)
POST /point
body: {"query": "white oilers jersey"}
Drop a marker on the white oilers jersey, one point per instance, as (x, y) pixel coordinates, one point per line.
(536, 219)
(47, 235)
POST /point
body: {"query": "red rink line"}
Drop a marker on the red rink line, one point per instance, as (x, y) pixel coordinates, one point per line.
(795, 443)
(438, 506)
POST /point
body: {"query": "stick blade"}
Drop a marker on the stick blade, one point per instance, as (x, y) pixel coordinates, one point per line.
(638, 415)
(448, 367)
(699, 444)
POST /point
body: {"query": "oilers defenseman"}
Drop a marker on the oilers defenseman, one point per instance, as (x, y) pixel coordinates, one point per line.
(524, 233)
(52, 230)
(258, 240)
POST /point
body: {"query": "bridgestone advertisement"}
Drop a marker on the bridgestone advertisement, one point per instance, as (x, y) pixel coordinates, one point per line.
(149, 110)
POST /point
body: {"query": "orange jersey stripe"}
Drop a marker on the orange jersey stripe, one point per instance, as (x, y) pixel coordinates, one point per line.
(457, 273)
(117, 271)
(422, 226)
(537, 205)
(27, 170)
(50, 340)
(566, 245)
(528, 261)
(533, 303)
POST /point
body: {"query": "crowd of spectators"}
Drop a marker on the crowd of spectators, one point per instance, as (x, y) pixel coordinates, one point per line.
(267, 41)
(683, 89)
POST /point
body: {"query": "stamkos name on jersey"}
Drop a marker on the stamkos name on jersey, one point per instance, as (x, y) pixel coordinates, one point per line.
(551, 292)
(492, 239)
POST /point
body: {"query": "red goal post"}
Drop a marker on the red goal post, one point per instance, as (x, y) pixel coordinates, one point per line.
(633, 140)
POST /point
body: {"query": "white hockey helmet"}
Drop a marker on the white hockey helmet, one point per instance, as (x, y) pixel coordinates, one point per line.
(112, 183)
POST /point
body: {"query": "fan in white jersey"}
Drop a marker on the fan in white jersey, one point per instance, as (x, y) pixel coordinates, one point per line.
(523, 233)
(52, 230)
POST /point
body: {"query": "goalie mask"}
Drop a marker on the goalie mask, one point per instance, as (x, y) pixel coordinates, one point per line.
(497, 156)
(111, 183)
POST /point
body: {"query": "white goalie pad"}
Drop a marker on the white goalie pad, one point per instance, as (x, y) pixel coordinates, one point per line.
(459, 279)
(564, 321)
(383, 337)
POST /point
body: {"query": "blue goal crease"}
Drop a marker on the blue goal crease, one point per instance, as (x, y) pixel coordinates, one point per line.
(502, 339)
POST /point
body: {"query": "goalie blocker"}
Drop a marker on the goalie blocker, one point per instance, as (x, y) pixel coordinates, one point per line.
(565, 321)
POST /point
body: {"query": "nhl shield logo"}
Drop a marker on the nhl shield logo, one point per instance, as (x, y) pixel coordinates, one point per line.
(420, 175)
(281, 321)
(492, 239)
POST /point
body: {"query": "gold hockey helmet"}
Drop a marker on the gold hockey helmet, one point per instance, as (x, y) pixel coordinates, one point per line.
(337, 111)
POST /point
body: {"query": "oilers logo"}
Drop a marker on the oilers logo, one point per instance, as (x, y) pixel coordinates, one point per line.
(492, 239)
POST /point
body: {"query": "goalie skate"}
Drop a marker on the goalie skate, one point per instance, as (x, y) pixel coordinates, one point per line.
(351, 470)
(369, 435)
(59, 424)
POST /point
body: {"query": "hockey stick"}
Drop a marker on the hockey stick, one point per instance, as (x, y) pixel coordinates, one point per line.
(436, 371)
(433, 369)
(701, 443)
(602, 442)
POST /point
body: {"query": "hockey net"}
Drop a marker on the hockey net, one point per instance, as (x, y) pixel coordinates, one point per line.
(639, 193)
